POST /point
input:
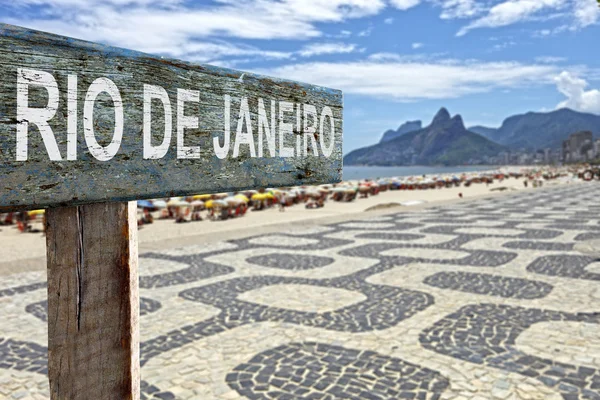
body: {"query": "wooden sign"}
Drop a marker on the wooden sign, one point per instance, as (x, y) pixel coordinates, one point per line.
(82, 122)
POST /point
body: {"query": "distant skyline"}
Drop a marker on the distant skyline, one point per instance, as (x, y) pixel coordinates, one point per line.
(395, 60)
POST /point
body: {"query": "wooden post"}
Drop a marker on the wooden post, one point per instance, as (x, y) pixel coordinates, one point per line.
(93, 302)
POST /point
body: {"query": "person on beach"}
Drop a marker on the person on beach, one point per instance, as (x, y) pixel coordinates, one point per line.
(147, 218)
(8, 220)
(180, 216)
(196, 216)
(23, 221)
(282, 203)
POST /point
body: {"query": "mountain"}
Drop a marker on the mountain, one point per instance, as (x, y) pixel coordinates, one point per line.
(537, 130)
(483, 131)
(407, 127)
(445, 141)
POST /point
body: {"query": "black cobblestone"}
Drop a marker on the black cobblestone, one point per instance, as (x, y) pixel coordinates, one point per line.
(198, 270)
(320, 371)
(293, 262)
(486, 334)
(489, 285)
(566, 266)
(40, 309)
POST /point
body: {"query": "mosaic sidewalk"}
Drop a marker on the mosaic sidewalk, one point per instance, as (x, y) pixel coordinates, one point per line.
(485, 299)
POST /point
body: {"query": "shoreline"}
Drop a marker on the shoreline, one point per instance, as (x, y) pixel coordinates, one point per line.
(166, 234)
(429, 170)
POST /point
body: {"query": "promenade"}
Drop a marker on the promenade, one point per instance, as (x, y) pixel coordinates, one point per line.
(480, 299)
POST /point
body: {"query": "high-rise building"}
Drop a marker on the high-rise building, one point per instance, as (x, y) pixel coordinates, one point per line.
(578, 147)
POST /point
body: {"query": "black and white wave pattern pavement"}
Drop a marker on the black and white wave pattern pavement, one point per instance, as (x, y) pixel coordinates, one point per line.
(482, 299)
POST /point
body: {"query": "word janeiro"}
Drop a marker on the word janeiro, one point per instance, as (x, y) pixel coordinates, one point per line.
(265, 128)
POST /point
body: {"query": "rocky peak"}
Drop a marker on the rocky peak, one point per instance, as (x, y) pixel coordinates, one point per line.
(441, 117)
(410, 126)
(407, 127)
(458, 121)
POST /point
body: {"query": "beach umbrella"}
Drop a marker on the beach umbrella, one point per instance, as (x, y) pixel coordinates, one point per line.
(259, 197)
(159, 204)
(231, 200)
(313, 193)
(197, 203)
(145, 204)
(35, 213)
(241, 197)
(173, 201)
(220, 203)
(202, 197)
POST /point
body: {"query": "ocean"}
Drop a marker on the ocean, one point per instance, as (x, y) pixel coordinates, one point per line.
(354, 173)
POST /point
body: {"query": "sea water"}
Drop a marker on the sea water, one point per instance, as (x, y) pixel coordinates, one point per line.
(355, 173)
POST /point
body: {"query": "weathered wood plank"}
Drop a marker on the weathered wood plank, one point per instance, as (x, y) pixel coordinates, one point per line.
(79, 123)
(93, 302)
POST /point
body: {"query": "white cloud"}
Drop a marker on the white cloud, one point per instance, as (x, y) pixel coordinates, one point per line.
(408, 58)
(450, 8)
(366, 32)
(388, 21)
(315, 49)
(170, 26)
(587, 12)
(91, 4)
(145, 25)
(582, 12)
(542, 33)
(211, 51)
(578, 98)
(404, 4)
(550, 59)
(504, 45)
(509, 12)
(382, 57)
(405, 80)
(555, 31)
(417, 45)
(460, 8)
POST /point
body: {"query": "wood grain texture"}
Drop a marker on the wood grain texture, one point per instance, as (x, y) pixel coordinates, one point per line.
(93, 302)
(40, 182)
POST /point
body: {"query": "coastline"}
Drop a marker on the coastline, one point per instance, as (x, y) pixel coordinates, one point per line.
(352, 172)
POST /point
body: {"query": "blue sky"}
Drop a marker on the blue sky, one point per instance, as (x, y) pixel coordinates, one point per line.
(395, 60)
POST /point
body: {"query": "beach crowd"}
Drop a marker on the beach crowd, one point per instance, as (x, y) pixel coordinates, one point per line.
(224, 206)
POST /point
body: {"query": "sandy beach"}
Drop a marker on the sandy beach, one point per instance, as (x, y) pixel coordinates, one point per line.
(26, 251)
